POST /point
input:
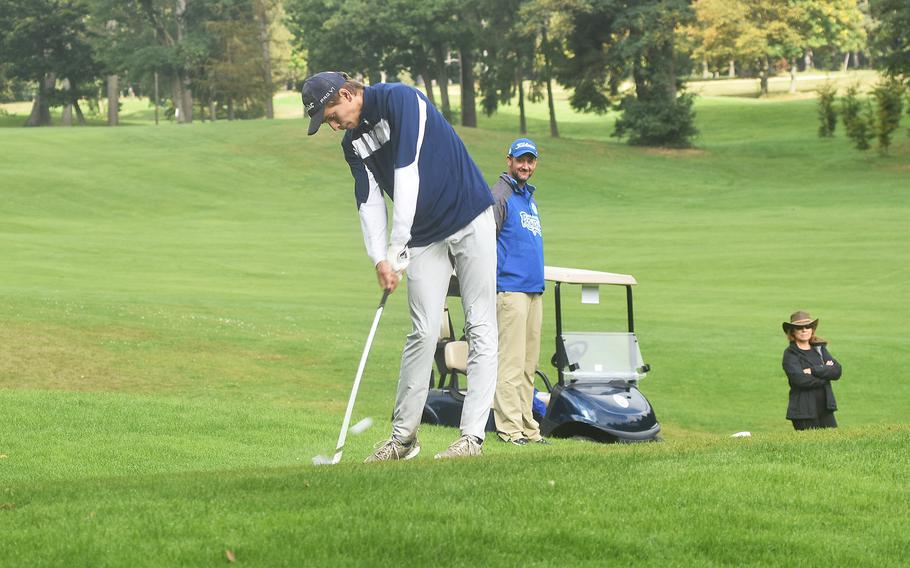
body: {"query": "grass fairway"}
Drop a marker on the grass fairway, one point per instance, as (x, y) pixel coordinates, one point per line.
(182, 310)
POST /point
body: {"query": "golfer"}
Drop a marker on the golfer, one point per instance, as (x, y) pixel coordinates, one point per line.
(519, 287)
(398, 145)
(810, 370)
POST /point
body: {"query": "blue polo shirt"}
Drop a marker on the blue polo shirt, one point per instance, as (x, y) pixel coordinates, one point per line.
(519, 238)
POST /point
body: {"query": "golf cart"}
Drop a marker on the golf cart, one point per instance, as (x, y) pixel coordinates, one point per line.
(596, 396)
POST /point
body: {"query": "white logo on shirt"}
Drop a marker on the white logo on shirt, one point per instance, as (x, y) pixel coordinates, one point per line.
(372, 141)
(531, 223)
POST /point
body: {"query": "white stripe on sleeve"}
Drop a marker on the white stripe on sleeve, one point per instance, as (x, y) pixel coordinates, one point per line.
(374, 222)
(407, 184)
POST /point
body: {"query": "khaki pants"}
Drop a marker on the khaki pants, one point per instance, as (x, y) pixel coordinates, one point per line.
(519, 316)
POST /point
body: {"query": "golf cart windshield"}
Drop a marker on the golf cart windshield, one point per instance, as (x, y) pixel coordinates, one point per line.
(602, 357)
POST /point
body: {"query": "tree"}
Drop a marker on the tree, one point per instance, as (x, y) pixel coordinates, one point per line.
(614, 39)
(889, 99)
(891, 39)
(859, 121)
(773, 33)
(827, 114)
(832, 25)
(715, 33)
(43, 41)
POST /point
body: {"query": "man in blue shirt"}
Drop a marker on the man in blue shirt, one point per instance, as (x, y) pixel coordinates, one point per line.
(519, 286)
(398, 145)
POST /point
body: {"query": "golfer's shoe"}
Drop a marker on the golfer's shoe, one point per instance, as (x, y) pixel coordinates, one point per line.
(462, 447)
(392, 449)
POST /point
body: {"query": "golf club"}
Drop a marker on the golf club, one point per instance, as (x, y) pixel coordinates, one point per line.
(339, 448)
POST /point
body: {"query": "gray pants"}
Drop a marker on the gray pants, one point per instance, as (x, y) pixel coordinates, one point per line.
(473, 252)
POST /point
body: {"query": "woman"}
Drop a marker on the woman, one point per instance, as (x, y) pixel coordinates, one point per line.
(810, 370)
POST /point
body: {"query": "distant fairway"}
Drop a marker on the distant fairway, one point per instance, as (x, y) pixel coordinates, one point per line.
(182, 309)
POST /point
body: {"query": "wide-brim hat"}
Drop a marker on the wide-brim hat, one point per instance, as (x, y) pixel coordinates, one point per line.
(800, 319)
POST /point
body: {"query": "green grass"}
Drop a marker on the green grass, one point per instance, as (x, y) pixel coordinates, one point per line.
(182, 310)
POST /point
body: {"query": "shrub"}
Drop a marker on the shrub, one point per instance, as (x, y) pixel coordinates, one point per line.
(889, 103)
(858, 119)
(657, 122)
(827, 114)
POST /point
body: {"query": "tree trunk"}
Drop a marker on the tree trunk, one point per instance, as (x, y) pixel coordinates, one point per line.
(66, 118)
(230, 105)
(705, 73)
(187, 100)
(522, 120)
(846, 61)
(442, 79)
(732, 71)
(765, 66)
(186, 95)
(80, 118)
(468, 105)
(177, 95)
(793, 75)
(212, 110)
(265, 41)
(41, 113)
(548, 74)
(427, 81)
(807, 60)
(113, 100)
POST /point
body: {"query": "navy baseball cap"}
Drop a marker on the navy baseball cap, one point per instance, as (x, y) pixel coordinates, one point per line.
(521, 147)
(316, 91)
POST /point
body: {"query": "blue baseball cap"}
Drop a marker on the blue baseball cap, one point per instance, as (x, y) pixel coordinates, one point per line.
(521, 147)
(316, 91)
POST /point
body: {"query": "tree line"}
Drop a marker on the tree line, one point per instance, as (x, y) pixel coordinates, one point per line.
(216, 58)
(226, 58)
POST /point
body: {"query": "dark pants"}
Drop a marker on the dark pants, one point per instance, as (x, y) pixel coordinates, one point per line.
(825, 420)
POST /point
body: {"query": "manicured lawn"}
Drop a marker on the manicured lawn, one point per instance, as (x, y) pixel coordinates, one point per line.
(182, 310)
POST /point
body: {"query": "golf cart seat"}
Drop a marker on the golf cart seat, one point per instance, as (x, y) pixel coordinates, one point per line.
(602, 357)
(456, 356)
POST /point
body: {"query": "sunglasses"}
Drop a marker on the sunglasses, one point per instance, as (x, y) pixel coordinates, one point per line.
(799, 327)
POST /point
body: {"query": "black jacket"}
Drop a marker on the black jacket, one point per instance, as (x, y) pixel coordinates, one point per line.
(809, 392)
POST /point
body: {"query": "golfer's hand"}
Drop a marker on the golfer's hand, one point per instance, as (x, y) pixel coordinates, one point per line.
(388, 278)
(807, 371)
(831, 363)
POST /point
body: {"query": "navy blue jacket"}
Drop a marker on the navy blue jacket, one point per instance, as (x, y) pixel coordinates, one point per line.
(519, 239)
(406, 149)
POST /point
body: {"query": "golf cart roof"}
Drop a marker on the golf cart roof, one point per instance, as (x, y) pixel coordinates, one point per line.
(582, 276)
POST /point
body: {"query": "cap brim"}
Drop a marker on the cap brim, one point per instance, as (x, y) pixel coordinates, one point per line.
(316, 121)
(523, 153)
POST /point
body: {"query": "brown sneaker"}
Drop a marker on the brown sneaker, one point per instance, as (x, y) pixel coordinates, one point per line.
(462, 447)
(392, 449)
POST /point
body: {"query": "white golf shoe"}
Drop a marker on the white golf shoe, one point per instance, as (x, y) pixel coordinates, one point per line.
(392, 449)
(462, 447)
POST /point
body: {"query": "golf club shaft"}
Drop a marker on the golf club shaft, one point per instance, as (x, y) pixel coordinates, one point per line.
(339, 448)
